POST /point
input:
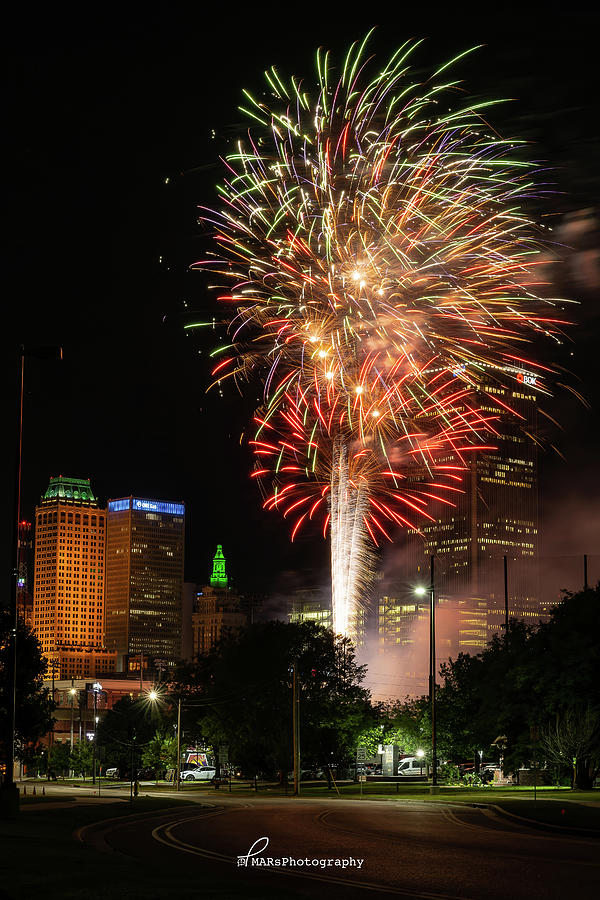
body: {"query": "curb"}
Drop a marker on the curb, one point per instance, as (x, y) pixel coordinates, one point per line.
(543, 826)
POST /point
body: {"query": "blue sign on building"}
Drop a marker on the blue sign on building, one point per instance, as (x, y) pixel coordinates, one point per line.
(171, 509)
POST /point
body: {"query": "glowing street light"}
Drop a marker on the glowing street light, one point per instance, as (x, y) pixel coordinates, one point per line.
(153, 697)
(420, 592)
(97, 689)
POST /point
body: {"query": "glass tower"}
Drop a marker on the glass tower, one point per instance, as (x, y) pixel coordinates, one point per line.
(144, 579)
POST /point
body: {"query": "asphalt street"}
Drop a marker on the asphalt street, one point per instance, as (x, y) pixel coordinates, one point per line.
(359, 848)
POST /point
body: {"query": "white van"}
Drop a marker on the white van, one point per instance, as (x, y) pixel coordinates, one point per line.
(412, 765)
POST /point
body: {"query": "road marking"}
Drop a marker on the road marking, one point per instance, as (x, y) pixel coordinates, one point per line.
(164, 834)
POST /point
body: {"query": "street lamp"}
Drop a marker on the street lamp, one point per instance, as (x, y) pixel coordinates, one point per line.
(420, 755)
(154, 696)
(72, 695)
(9, 792)
(96, 688)
(421, 591)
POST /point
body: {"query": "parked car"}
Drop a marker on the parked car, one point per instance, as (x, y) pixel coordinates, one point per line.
(202, 773)
(112, 772)
(149, 772)
(412, 765)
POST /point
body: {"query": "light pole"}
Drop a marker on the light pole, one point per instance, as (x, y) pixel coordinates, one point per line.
(178, 770)
(153, 696)
(9, 792)
(296, 727)
(53, 665)
(72, 694)
(421, 591)
(96, 688)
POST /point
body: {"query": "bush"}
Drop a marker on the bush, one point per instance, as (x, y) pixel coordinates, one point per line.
(449, 774)
(472, 780)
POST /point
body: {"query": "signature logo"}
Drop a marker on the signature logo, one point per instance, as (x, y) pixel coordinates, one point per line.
(254, 857)
(258, 847)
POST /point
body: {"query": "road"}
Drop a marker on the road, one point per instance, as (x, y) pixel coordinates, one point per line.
(407, 848)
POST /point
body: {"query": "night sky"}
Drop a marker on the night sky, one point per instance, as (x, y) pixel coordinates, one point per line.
(101, 113)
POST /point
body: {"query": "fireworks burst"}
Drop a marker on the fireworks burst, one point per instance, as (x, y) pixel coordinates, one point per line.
(382, 282)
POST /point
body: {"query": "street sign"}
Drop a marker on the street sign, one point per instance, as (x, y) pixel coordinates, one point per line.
(362, 777)
(361, 754)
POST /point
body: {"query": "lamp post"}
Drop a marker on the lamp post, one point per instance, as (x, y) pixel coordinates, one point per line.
(421, 591)
(153, 696)
(178, 771)
(9, 792)
(72, 694)
(96, 688)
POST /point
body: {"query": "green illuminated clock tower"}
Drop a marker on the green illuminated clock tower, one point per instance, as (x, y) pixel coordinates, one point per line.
(218, 578)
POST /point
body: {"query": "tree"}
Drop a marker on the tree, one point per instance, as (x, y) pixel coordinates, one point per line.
(544, 677)
(34, 705)
(161, 752)
(82, 758)
(573, 741)
(126, 730)
(242, 696)
(59, 758)
(404, 723)
(33, 756)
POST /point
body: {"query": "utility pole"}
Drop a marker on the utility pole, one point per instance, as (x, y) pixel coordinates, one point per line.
(432, 668)
(296, 727)
(9, 792)
(178, 772)
(72, 693)
(505, 599)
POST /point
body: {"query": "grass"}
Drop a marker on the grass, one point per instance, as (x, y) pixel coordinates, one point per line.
(559, 815)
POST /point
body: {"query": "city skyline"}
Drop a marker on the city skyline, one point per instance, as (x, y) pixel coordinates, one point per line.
(166, 692)
(129, 367)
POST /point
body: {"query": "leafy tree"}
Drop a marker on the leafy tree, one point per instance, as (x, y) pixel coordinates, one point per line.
(82, 758)
(126, 729)
(161, 752)
(34, 704)
(404, 723)
(543, 678)
(33, 757)
(59, 757)
(241, 695)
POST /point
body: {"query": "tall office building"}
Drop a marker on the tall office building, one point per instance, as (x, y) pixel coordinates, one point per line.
(144, 581)
(24, 554)
(68, 592)
(495, 516)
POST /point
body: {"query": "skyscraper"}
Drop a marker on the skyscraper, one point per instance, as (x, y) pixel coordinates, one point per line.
(496, 515)
(24, 553)
(493, 515)
(68, 593)
(144, 580)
